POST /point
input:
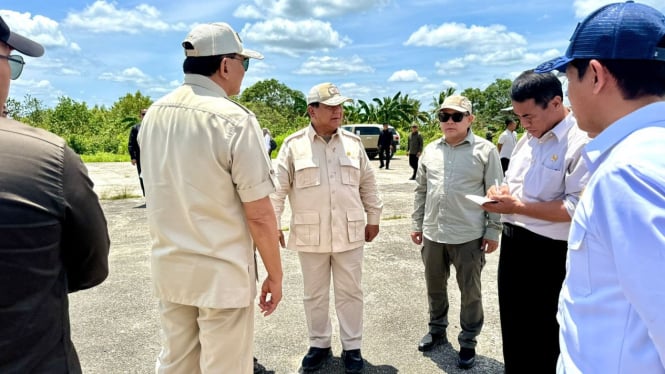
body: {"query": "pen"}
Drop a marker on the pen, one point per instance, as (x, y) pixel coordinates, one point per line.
(496, 185)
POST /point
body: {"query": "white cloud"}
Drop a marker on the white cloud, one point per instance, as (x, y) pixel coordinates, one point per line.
(102, 17)
(128, 75)
(405, 76)
(41, 29)
(477, 39)
(300, 9)
(327, 65)
(294, 37)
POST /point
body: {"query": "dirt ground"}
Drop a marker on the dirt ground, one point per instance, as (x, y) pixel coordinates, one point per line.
(115, 326)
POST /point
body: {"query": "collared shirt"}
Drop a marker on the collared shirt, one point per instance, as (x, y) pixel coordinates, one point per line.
(548, 168)
(445, 174)
(415, 143)
(202, 156)
(508, 140)
(612, 304)
(331, 187)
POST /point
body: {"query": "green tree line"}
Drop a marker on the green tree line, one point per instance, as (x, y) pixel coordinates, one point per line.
(104, 130)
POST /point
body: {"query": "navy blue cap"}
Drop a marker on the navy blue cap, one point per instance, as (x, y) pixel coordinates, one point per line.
(619, 31)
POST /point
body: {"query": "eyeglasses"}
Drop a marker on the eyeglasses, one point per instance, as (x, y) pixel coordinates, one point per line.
(457, 117)
(245, 61)
(15, 64)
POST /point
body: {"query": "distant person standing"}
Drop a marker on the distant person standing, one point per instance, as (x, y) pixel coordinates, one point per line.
(208, 181)
(452, 229)
(53, 234)
(4, 112)
(613, 297)
(414, 147)
(134, 149)
(506, 143)
(335, 210)
(536, 200)
(385, 145)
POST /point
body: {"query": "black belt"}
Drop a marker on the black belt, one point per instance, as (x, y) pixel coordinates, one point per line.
(514, 231)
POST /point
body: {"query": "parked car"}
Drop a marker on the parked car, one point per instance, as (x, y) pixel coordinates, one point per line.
(369, 134)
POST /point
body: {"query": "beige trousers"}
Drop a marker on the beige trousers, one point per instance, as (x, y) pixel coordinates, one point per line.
(205, 340)
(346, 270)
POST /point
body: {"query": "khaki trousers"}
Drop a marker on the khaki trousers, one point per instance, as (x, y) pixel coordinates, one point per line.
(346, 269)
(206, 340)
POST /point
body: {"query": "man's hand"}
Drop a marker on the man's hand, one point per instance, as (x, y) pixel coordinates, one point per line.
(282, 242)
(271, 295)
(417, 237)
(489, 246)
(505, 202)
(371, 231)
(134, 161)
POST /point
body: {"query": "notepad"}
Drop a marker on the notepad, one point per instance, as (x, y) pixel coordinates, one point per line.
(480, 200)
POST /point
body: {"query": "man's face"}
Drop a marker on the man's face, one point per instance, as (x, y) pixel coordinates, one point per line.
(414, 129)
(455, 132)
(580, 100)
(326, 118)
(535, 119)
(5, 73)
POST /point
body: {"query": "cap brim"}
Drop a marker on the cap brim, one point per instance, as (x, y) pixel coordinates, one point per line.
(558, 64)
(24, 45)
(336, 100)
(251, 54)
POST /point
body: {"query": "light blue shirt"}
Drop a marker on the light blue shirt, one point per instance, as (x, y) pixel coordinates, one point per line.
(612, 304)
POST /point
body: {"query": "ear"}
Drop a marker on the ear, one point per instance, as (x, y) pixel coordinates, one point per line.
(601, 76)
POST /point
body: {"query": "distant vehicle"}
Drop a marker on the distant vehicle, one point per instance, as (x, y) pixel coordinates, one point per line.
(369, 134)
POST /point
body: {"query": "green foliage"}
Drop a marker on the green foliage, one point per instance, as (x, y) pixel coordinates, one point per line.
(104, 131)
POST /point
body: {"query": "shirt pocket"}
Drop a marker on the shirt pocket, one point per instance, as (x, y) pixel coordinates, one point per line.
(577, 274)
(307, 173)
(552, 183)
(356, 225)
(350, 170)
(306, 227)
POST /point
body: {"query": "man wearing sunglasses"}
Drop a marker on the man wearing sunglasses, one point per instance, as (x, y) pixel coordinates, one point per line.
(537, 199)
(452, 229)
(53, 234)
(207, 181)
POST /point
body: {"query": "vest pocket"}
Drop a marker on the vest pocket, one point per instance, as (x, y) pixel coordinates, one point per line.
(356, 225)
(306, 227)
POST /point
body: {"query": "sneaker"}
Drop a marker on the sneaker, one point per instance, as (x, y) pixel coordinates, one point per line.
(467, 358)
(353, 361)
(258, 368)
(315, 358)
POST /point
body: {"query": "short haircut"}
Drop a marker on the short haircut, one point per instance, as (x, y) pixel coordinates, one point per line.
(203, 65)
(508, 121)
(540, 87)
(635, 78)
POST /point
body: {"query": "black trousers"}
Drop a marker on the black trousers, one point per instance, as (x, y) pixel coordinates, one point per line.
(138, 169)
(384, 156)
(529, 329)
(413, 162)
(504, 164)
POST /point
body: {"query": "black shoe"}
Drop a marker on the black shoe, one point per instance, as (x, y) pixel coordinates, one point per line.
(315, 358)
(353, 361)
(258, 368)
(381, 167)
(430, 340)
(467, 358)
(412, 178)
(387, 168)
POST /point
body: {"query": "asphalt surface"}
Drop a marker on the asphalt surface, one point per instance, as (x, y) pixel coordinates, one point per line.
(115, 326)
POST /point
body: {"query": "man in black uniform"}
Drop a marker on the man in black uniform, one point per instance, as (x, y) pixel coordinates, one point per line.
(134, 150)
(53, 234)
(385, 145)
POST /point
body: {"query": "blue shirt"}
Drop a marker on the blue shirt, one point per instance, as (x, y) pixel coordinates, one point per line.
(612, 304)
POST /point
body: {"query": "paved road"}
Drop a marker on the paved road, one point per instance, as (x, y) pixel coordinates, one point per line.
(116, 326)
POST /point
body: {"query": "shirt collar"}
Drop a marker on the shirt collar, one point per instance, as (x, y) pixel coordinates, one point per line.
(469, 138)
(648, 116)
(204, 82)
(311, 132)
(559, 130)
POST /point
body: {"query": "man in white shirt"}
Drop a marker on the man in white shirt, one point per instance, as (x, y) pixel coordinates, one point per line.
(612, 304)
(537, 200)
(506, 143)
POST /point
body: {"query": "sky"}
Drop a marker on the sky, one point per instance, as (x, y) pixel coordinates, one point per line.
(99, 51)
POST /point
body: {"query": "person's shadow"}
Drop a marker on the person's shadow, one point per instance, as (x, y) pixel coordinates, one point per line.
(445, 357)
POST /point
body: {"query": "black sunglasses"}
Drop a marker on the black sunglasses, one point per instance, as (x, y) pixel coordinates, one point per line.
(15, 65)
(457, 117)
(245, 61)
